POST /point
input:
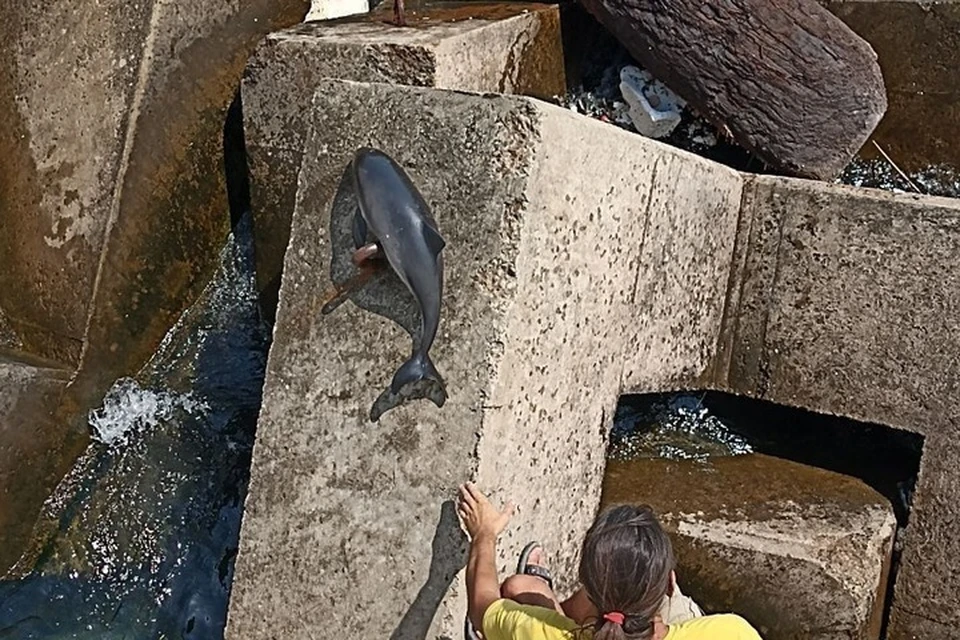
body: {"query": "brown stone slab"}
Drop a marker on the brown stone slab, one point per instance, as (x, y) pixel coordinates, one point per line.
(801, 552)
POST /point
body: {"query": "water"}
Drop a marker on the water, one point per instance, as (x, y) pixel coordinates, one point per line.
(676, 427)
(935, 180)
(697, 427)
(138, 541)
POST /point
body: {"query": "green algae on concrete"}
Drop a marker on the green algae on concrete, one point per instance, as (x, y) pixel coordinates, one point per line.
(801, 552)
(112, 194)
(35, 449)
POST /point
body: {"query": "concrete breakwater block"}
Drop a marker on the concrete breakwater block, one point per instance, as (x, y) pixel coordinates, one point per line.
(548, 217)
(113, 201)
(846, 301)
(35, 450)
(472, 46)
(803, 553)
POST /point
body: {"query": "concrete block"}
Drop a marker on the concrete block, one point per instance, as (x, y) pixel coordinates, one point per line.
(35, 450)
(544, 212)
(845, 303)
(802, 553)
(840, 305)
(114, 202)
(918, 48)
(474, 46)
(679, 298)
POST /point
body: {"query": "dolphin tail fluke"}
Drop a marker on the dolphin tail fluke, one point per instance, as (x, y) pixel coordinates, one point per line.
(418, 377)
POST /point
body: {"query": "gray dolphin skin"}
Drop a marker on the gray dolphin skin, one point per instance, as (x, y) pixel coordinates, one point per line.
(392, 210)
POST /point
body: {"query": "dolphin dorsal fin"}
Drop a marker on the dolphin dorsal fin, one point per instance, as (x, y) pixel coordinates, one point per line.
(433, 238)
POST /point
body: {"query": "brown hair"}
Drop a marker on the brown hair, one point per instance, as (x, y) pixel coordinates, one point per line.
(625, 567)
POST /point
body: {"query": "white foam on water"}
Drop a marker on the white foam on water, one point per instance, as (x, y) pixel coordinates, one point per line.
(129, 408)
(679, 429)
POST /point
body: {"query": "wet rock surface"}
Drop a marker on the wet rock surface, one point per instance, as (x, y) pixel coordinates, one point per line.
(114, 201)
(138, 540)
(35, 450)
(799, 551)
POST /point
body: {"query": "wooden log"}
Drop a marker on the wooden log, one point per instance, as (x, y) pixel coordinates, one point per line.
(785, 78)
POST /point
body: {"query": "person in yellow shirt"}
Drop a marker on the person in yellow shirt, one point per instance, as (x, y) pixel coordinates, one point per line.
(626, 570)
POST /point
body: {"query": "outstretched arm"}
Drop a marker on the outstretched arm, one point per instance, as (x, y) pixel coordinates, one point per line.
(484, 524)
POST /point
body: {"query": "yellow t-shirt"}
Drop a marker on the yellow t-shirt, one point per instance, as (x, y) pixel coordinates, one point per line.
(509, 620)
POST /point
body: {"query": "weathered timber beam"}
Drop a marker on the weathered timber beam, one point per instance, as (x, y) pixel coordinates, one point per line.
(785, 78)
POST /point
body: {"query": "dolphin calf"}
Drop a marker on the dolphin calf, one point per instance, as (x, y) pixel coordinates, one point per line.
(393, 212)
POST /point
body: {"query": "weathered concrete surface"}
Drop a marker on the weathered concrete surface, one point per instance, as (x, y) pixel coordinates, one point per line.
(680, 290)
(506, 48)
(35, 450)
(799, 551)
(112, 197)
(171, 214)
(113, 203)
(846, 303)
(543, 211)
(918, 48)
(8, 337)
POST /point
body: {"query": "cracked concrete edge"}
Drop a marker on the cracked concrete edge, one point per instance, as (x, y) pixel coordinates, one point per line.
(481, 259)
(885, 360)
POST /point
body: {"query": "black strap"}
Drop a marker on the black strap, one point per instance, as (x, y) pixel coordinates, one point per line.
(539, 572)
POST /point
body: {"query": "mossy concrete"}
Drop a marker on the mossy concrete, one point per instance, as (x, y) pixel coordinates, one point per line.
(35, 450)
(800, 552)
(113, 201)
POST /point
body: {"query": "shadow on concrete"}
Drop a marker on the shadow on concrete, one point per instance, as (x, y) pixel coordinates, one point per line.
(449, 557)
(383, 294)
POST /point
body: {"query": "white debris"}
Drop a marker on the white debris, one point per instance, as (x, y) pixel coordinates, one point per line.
(654, 108)
(329, 9)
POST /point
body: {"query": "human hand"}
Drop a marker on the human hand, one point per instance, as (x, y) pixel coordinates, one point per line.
(480, 518)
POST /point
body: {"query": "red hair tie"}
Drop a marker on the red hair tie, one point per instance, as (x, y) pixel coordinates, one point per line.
(615, 617)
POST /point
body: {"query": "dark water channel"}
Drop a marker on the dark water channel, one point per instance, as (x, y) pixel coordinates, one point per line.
(702, 425)
(138, 542)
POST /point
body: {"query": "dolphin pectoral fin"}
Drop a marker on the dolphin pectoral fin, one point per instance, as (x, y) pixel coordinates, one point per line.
(435, 241)
(359, 230)
(365, 253)
(338, 297)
